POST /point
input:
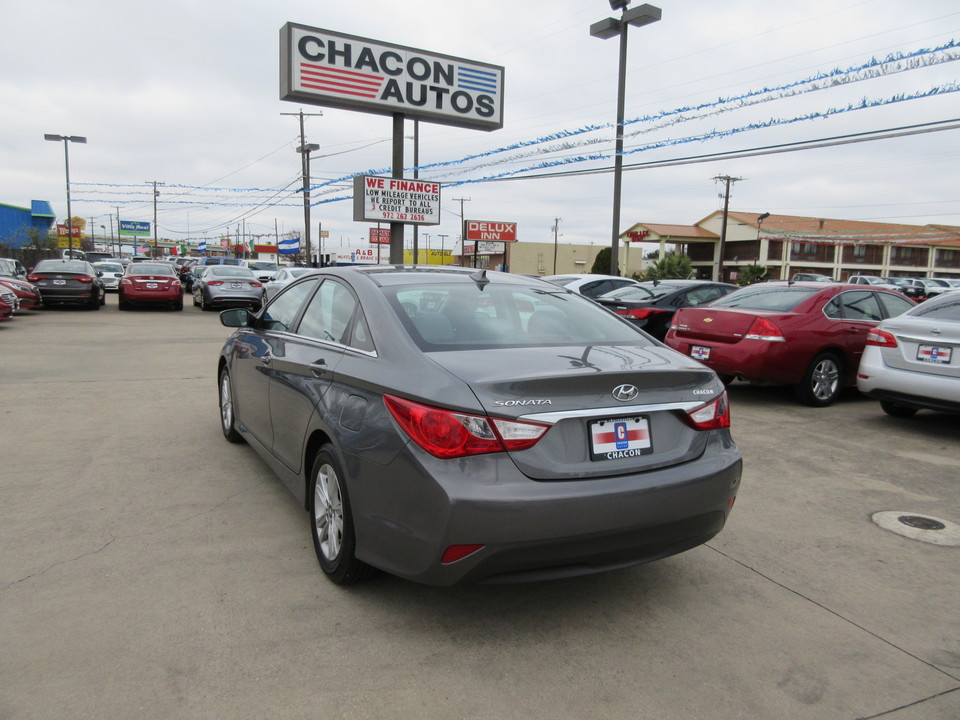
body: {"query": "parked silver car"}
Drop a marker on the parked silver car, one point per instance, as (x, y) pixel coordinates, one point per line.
(452, 426)
(912, 361)
(283, 278)
(225, 286)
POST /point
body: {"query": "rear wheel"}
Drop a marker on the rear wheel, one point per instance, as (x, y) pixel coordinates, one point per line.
(228, 421)
(95, 303)
(203, 303)
(899, 411)
(331, 523)
(822, 382)
(178, 305)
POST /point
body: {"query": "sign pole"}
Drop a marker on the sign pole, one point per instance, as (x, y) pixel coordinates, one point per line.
(396, 228)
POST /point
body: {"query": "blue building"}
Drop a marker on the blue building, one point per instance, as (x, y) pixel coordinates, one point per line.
(15, 221)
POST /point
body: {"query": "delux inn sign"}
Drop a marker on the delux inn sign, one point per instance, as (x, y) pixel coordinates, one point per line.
(322, 67)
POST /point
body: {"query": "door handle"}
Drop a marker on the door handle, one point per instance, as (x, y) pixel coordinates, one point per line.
(319, 367)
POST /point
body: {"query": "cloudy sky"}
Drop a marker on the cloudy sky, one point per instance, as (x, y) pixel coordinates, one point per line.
(186, 93)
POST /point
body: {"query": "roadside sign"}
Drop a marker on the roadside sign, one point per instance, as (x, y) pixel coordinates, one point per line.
(379, 236)
(395, 200)
(491, 231)
(134, 227)
(323, 67)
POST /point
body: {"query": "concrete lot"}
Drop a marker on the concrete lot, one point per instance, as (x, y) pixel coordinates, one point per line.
(150, 569)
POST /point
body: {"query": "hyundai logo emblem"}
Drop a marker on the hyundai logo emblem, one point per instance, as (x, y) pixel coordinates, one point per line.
(624, 393)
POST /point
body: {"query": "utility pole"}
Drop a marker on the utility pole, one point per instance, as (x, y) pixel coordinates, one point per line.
(463, 233)
(727, 180)
(442, 238)
(304, 149)
(156, 193)
(556, 227)
(119, 241)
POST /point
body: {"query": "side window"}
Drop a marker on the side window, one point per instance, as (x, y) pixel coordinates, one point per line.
(832, 309)
(894, 305)
(598, 287)
(328, 315)
(281, 313)
(860, 305)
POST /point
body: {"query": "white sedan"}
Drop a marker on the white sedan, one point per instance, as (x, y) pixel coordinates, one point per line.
(590, 285)
(912, 361)
(283, 278)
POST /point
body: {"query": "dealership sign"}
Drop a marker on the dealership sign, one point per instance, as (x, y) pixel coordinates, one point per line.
(379, 236)
(491, 231)
(134, 227)
(382, 199)
(322, 67)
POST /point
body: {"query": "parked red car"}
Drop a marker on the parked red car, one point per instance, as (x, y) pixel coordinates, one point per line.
(7, 305)
(150, 284)
(27, 293)
(810, 335)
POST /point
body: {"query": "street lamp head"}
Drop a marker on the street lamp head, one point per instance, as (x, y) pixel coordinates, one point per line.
(763, 217)
(58, 138)
(308, 148)
(619, 4)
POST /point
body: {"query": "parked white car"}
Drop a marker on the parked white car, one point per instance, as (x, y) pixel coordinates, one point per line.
(283, 278)
(590, 285)
(912, 361)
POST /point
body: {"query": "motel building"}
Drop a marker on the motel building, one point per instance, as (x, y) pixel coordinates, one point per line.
(787, 244)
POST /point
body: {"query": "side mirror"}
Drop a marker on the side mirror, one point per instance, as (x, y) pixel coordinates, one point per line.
(236, 318)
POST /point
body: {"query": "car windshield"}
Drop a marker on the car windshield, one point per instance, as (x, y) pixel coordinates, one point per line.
(460, 316)
(229, 271)
(150, 269)
(944, 307)
(77, 266)
(761, 297)
(109, 267)
(264, 266)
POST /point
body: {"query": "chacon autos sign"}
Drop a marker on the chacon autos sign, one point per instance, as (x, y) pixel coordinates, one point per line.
(322, 67)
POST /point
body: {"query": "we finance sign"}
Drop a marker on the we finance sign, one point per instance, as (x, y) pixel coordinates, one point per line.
(322, 67)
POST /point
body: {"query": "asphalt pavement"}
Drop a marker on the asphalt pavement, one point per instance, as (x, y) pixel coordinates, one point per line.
(149, 569)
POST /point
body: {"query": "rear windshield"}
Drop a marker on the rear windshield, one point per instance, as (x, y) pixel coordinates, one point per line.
(76, 266)
(228, 271)
(758, 297)
(149, 269)
(947, 308)
(263, 266)
(461, 316)
(641, 292)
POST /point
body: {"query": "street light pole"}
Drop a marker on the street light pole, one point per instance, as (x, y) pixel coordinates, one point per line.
(605, 29)
(67, 139)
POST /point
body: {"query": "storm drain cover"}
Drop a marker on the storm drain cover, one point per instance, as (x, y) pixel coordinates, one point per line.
(915, 526)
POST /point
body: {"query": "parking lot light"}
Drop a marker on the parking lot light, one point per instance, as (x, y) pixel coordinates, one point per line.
(67, 139)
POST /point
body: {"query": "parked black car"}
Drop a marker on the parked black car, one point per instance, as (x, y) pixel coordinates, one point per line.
(68, 282)
(651, 305)
(909, 287)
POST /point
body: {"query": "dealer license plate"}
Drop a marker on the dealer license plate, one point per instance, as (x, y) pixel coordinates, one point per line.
(152, 286)
(618, 438)
(59, 282)
(698, 352)
(934, 354)
(236, 285)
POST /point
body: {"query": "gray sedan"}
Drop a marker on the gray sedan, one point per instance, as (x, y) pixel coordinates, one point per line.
(452, 426)
(225, 286)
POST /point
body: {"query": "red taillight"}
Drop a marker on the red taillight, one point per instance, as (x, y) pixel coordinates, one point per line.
(126, 281)
(215, 282)
(458, 552)
(34, 278)
(639, 313)
(85, 278)
(881, 338)
(712, 416)
(256, 284)
(763, 329)
(448, 434)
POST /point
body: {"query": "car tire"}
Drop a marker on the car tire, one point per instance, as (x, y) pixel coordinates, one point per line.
(203, 304)
(103, 298)
(228, 421)
(95, 301)
(195, 303)
(822, 382)
(122, 304)
(331, 520)
(897, 411)
(178, 305)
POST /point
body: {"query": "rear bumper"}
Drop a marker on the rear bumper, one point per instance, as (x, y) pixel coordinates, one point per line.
(533, 530)
(904, 387)
(749, 359)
